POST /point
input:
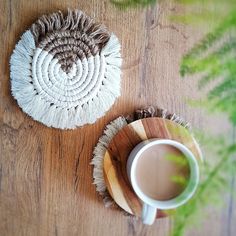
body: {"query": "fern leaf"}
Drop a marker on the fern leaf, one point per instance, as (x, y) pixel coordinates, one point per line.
(221, 70)
(124, 4)
(227, 88)
(192, 65)
(207, 42)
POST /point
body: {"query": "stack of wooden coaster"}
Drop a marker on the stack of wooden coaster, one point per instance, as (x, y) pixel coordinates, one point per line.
(119, 138)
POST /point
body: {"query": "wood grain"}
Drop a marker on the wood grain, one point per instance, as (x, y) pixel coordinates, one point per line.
(45, 174)
(121, 145)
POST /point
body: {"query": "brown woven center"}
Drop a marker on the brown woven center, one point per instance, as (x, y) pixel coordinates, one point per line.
(69, 46)
(69, 37)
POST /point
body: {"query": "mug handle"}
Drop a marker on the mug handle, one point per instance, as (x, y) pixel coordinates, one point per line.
(148, 214)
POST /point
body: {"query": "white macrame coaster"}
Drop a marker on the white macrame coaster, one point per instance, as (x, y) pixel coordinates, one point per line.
(65, 70)
(110, 131)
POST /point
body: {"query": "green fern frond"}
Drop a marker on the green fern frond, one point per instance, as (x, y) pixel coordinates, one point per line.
(210, 39)
(226, 105)
(177, 159)
(124, 4)
(213, 63)
(216, 72)
(196, 19)
(225, 89)
(213, 182)
(191, 65)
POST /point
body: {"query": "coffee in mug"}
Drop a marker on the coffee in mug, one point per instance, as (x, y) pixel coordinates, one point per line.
(162, 172)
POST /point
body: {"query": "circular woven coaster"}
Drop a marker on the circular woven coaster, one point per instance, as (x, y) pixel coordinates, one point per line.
(65, 70)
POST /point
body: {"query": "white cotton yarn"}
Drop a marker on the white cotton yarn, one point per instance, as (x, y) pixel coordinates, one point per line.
(66, 98)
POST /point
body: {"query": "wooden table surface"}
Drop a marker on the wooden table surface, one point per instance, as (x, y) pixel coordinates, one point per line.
(45, 174)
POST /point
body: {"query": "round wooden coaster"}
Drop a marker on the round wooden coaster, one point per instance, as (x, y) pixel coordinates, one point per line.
(124, 141)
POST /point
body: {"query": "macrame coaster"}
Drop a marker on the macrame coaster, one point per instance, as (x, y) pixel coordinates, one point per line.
(110, 131)
(65, 70)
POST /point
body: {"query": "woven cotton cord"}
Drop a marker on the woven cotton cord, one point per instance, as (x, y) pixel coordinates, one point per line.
(65, 70)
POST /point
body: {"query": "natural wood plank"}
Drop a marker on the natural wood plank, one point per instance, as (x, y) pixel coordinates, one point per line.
(45, 184)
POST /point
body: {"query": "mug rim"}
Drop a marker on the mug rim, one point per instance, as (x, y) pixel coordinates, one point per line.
(187, 193)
